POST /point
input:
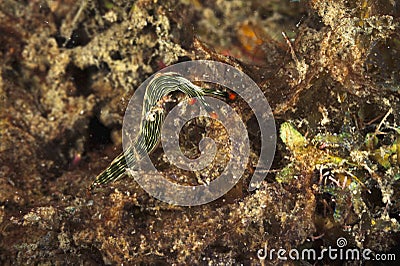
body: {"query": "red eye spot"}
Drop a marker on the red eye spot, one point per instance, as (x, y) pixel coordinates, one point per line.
(213, 115)
(192, 101)
(232, 96)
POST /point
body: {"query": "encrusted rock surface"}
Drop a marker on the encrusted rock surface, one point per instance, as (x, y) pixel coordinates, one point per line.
(68, 69)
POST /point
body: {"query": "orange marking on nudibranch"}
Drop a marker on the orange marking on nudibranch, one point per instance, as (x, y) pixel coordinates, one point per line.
(232, 96)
